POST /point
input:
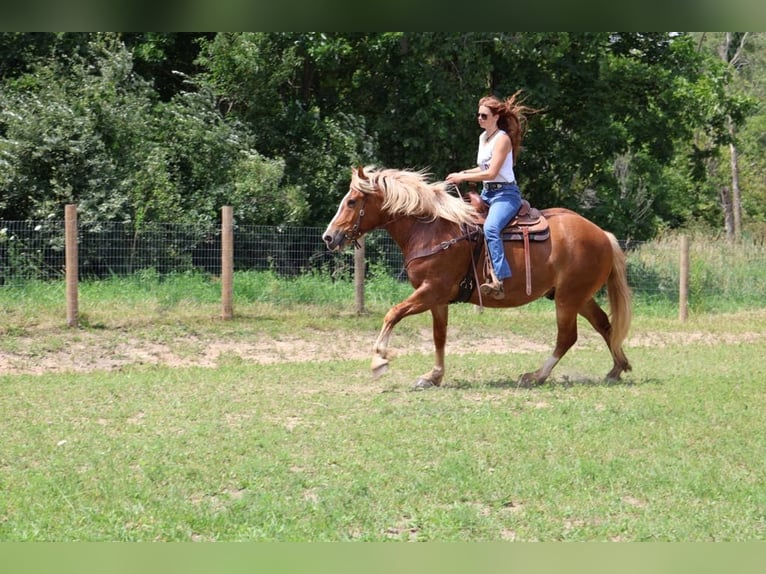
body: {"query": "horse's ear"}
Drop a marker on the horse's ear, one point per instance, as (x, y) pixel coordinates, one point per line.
(360, 172)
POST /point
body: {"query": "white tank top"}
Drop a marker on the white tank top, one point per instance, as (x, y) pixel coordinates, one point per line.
(484, 157)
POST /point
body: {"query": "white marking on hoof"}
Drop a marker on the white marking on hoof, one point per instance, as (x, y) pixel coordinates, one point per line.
(379, 367)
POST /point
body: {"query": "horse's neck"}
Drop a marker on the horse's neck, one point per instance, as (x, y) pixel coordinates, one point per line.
(399, 229)
(412, 233)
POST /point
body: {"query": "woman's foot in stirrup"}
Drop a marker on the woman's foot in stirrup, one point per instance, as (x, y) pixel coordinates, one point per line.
(493, 288)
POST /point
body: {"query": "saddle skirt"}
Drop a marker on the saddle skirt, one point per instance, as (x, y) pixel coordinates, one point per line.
(529, 221)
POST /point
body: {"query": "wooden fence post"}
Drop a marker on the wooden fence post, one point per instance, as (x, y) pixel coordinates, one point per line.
(683, 281)
(227, 262)
(71, 262)
(359, 268)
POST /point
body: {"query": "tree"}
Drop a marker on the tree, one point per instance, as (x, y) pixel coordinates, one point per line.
(277, 85)
(86, 128)
(616, 111)
(733, 106)
(731, 52)
(148, 126)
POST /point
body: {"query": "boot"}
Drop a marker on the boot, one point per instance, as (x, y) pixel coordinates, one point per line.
(493, 288)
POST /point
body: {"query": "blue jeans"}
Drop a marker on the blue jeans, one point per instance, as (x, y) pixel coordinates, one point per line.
(504, 204)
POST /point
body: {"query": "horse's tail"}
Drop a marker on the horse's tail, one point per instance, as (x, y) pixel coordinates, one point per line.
(619, 303)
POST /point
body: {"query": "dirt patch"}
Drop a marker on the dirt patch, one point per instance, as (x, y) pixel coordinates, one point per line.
(85, 351)
(694, 338)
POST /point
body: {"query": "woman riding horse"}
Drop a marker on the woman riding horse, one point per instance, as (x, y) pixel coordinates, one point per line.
(437, 233)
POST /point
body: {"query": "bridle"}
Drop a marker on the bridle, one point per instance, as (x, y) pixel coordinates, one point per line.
(469, 234)
(354, 234)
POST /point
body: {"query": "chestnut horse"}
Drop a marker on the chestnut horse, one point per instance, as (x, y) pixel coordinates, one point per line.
(436, 233)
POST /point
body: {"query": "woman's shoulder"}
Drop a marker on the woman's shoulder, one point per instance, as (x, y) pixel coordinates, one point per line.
(501, 138)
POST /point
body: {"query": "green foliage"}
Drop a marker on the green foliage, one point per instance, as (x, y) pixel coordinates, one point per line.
(287, 87)
(616, 112)
(88, 130)
(261, 196)
(152, 126)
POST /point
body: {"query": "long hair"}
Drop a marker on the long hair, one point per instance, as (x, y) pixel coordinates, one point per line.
(513, 117)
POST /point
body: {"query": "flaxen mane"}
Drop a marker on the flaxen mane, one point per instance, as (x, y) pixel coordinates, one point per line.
(409, 193)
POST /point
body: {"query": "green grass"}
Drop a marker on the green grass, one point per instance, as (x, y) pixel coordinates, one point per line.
(319, 451)
(310, 448)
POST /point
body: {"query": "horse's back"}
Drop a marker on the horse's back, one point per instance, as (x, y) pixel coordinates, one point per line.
(567, 223)
(577, 242)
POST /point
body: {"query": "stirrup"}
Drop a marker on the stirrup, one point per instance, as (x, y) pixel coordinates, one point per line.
(494, 288)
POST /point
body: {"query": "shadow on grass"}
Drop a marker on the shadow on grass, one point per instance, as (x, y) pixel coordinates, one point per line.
(564, 382)
(567, 382)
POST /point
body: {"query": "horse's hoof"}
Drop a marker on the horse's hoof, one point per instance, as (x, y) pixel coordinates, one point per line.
(423, 384)
(613, 376)
(379, 367)
(528, 380)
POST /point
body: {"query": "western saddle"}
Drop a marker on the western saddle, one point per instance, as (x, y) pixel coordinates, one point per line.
(529, 221)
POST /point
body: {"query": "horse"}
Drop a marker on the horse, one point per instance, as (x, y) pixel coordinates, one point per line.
(438, 233)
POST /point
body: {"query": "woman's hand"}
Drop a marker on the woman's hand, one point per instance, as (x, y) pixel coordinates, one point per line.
(456, 178)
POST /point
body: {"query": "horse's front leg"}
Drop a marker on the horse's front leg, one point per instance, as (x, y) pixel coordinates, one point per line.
(440, 315)
(380, 348)
(416, 303)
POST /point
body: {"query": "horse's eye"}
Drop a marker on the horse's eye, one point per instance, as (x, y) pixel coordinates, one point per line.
(351, 202)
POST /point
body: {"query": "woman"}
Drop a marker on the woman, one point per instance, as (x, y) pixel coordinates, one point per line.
(504, 124)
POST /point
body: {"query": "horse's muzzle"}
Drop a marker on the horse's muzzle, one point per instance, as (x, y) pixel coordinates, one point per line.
(334, 239)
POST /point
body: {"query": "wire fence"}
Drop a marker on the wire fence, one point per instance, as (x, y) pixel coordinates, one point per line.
(35, 251)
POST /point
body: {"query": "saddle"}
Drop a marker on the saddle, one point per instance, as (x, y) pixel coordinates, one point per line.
(529, 221)
(529, 224)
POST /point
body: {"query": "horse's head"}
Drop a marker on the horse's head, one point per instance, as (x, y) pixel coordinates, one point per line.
(358, 213)
(376, 198)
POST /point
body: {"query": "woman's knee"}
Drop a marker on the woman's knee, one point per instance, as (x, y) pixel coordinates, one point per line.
(492, 230)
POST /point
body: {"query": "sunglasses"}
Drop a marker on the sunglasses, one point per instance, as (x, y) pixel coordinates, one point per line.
(482, 116)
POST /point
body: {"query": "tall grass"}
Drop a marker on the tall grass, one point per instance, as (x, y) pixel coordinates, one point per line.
(314, 288)
(723, 278)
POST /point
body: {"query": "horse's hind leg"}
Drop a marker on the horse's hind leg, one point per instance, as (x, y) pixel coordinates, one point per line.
(566, 321)
(600, 322)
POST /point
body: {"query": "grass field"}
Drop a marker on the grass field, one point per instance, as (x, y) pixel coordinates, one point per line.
(158, 421)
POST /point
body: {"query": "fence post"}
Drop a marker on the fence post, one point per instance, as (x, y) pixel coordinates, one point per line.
(71, 262)
(359, 268)
(227, 262)
(683, 281)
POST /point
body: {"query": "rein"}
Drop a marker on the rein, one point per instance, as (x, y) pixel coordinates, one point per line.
(441, 246)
